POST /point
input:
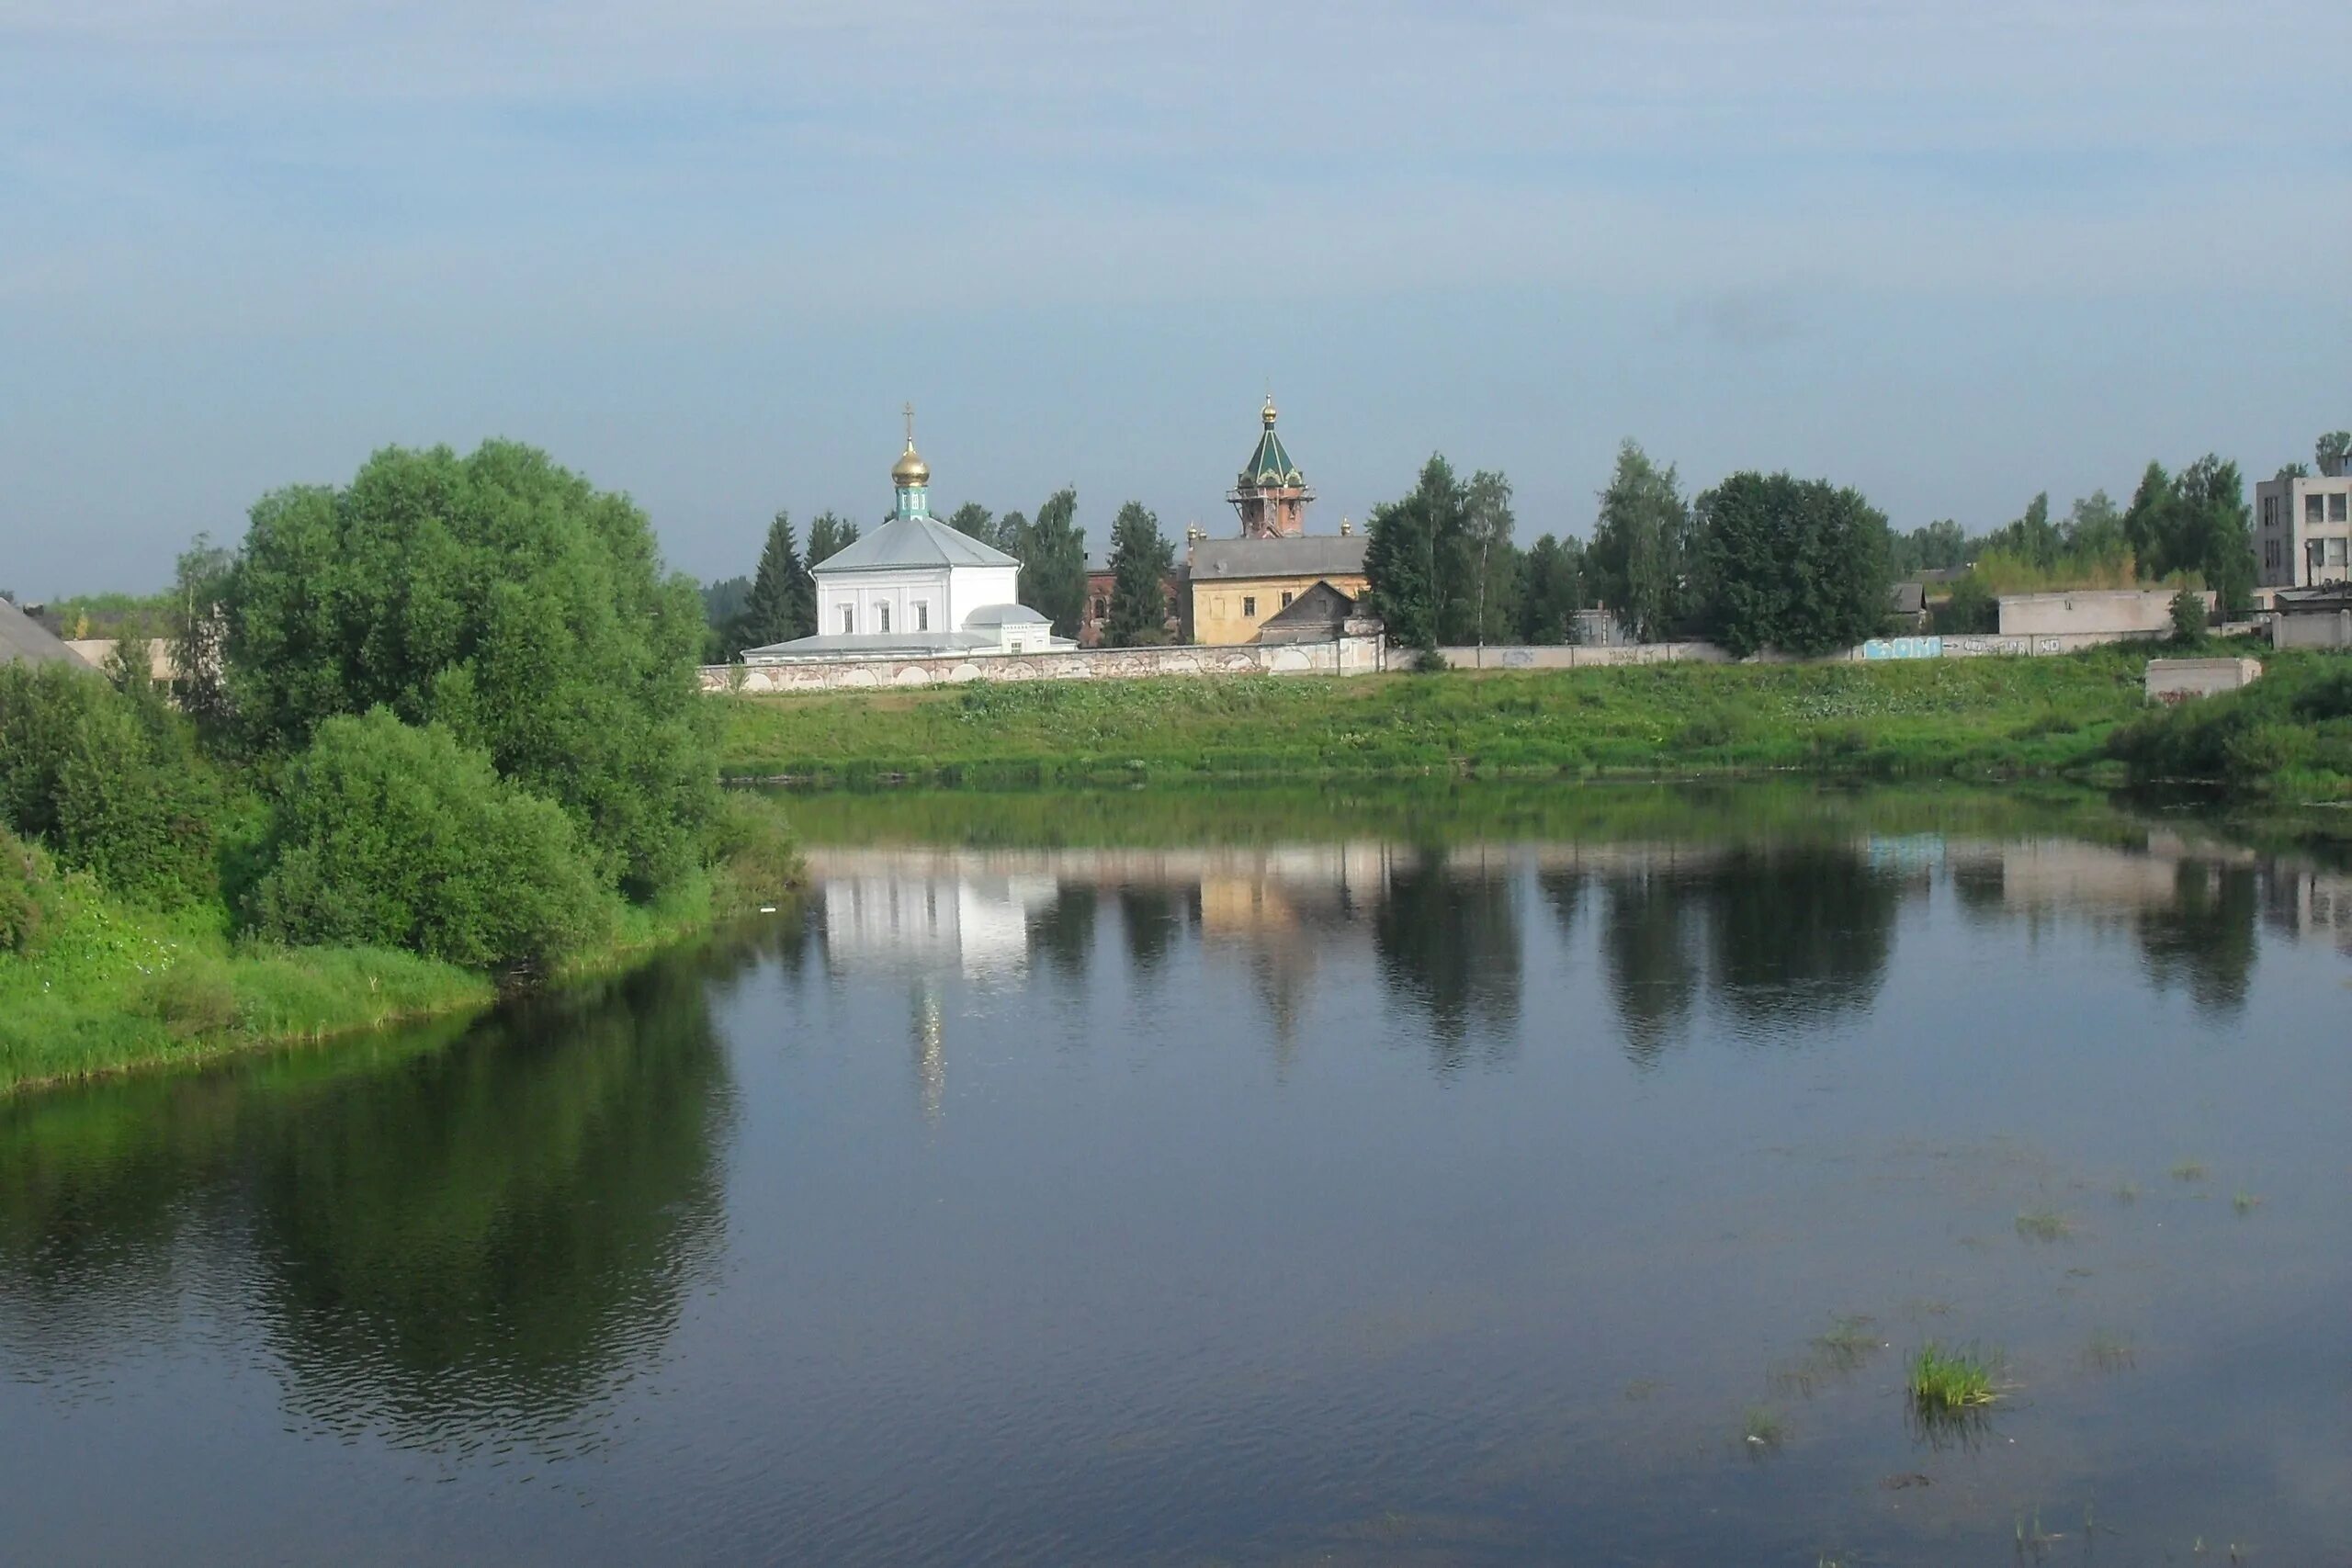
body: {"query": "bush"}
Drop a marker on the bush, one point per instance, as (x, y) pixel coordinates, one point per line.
(194, 998)
(21, 911)
(756, 856)
(112, 784)
(389, 835)
(2188, 616)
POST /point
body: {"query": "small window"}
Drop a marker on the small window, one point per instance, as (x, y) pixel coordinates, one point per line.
(2310, 509)
(1286, 598)
(2271, 554)
(1248, 604)
(2337, 552)
(2335, 505)
(922, 614)
(884, 612)
(849, 621)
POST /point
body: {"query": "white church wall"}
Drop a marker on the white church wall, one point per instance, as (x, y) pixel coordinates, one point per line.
(868, 593)
(973, 587)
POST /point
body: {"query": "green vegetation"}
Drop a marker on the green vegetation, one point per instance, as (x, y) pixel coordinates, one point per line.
(1141, 558)
(2246, 1202)
(1795, 565)
(2188, 1170)
(440, 728)
(2287, 738)
(1979, 718)
(1943, 1381)
(2044, 1223)
(1762, 1427)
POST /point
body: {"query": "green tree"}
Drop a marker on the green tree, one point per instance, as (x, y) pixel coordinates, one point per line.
(2213, 531)
(391, 835)
(2187, 617)
(502, 596)
(829, 536)
(722, 610)
(111, 783)
(2293, 471)
(1550, 590)
(977, 521)
(1941, 545)
(1053, 563)
(1486, 608)
(197, 633)
(783, 602)
(2093, 528)
(1637, 563)
(1413, 557)
(2148, 523)
(1141, 558)
(2334, 452)
(1797, 565)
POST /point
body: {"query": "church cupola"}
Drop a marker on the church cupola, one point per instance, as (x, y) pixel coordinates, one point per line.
(911, 475)
(1270, 494)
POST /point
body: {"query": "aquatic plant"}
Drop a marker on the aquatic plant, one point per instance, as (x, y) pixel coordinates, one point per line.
(1944, 1380)
(2044, 1223)
(1761, 1428)
(2188, 1170)
(2109, 1351)
(2246, 1202)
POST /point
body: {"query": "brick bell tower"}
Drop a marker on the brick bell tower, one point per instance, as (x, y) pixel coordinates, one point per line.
(1270, 494)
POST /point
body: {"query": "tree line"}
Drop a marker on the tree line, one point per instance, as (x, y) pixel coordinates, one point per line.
(778, 602)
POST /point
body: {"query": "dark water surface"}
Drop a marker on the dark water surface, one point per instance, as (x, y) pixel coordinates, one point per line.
(1363, 1181)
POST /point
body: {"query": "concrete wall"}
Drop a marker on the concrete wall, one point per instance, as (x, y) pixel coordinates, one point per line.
(1343, 655)
(2120, 611)
(1574, 656)
(2180, 679)
(2311, 631)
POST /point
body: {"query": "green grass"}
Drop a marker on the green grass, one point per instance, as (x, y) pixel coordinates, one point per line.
(1989, 719)
(2246, 1202)
(2188, 1170)
(2287, 738)
(2044, 1223)
(1762, 1427)
(1945, 1381)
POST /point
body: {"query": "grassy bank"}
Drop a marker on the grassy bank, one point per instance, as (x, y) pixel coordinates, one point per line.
(2284, 740)
(99, 984)
(1983, 718)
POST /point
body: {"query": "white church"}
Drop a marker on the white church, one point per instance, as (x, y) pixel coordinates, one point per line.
(915, 588)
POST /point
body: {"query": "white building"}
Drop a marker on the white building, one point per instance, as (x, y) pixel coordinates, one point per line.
(915, 588)
(2302, 531)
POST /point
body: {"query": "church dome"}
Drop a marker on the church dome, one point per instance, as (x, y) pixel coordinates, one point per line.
(910, 470)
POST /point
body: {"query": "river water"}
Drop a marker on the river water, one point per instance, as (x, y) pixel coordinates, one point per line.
(1453, 1177)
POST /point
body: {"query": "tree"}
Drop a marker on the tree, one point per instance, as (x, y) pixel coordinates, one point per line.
(2187, 617)
(2148, 523)
(974, 521)
(197, 632)
(1941, 545)
(2213, 531)
(2032, 538)
(2333, 451)
(2293, 471)
(1141, 558)
(504, 597)
(1411, 549)
(722, 615)
(829, 536)
(394, 835)
(1637, 562)
(1798, 565)
(1550, 590)
(1488, 601)
(1053, 563)
(2093, 528)
(783, 602)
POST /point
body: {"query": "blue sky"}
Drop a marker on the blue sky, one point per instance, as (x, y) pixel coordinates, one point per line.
(701, 251)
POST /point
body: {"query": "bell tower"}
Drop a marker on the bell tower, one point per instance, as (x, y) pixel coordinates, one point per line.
(1270, 493)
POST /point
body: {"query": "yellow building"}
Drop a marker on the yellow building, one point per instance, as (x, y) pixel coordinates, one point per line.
(1232, 586)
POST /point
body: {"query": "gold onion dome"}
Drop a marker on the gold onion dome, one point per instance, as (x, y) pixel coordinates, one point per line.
(909, 469)
(1267, 413)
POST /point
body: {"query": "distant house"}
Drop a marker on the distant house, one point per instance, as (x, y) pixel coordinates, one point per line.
(1237, 585)
(2302, 534)
(24, 641)
(915, 588)
(1907, 604)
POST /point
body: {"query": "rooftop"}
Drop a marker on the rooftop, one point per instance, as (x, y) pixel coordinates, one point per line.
(1270, 467)
(1303, 555)
(914, 542)
(24, 641)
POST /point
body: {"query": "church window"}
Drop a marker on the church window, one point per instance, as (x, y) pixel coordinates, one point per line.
(1248, 603)
(922, 614)
(883, 611)
(1286, 598)
(849, 620)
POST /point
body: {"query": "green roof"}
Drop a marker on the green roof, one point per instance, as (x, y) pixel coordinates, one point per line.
(1270, 467)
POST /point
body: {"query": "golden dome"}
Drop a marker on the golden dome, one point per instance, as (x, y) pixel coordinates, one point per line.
(1267, 413)
(909, 469)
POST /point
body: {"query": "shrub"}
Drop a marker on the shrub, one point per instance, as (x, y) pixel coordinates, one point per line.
(389, 835)
(21, 911)
(112, 784)
(194, 997)
(2187, 617)
(754, 851)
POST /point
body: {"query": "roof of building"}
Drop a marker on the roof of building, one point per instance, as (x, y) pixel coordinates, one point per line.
(1320, 606)
(1301, 554)
(914, 542)
(24, 641)
(1270, 467)
(1007, 616)
(2327, 598)
(1907, 598)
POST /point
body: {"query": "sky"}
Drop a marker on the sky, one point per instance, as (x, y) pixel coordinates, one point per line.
(701, 251)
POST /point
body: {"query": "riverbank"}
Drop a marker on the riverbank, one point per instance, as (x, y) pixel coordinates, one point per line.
(1979, 718)
(100, 985)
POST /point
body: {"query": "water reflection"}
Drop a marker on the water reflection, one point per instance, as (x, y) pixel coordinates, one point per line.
(1783, 936)
(441, 1245)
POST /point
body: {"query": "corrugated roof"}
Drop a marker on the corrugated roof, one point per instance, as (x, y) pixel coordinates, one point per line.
(914, 541)
(1303, 555)
(24, 641)
(878, 645)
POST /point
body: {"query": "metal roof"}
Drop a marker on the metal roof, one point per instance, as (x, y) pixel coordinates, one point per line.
(912, 542)
(1007, 616)
(1302, 555)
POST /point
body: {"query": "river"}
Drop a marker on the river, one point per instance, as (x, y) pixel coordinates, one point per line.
(1463, 1176)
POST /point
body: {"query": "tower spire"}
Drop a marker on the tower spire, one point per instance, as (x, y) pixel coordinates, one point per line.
(911, 475)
